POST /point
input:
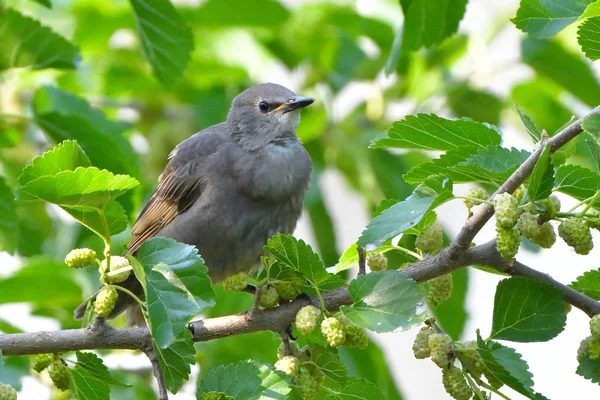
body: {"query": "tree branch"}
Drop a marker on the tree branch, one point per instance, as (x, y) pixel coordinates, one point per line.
(157, 371)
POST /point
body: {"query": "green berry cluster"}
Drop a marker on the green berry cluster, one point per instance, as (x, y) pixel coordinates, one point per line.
(60, 375)
(235, 283)
(377, 261)
(421, 344)
(455, 383)
(441, 348)
(288, 364)
(543, 235)
(307, 376)
(40, 362)
(440, 290)
(549, 207)
(474, 195)
(105, 301)
(307, 385)
(287, 290)
(507, 242)
(575, 232)
(7, 392)
(508, 237)
(333, 331)
(431, 239)
(306, 319)
(590, 346)
(79, 258)
(269, 297)
(119, 269)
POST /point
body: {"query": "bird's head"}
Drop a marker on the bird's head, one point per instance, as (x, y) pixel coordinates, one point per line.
(264, 113)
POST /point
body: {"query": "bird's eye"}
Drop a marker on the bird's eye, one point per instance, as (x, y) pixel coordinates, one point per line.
(263, 106)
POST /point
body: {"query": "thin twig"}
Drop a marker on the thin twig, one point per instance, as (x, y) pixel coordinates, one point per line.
(362, 268)
(156, 371)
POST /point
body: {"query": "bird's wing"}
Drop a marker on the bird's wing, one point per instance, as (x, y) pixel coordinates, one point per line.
(179, 186)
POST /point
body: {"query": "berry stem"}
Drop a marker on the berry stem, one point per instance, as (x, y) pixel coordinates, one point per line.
(474, 200)
(406, 251)
(130, 293)
(471, 383)
(576, 206)
(491, 389)
(318, 295)
(590, 204)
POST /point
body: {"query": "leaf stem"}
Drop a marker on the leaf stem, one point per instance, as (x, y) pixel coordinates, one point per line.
(130, 293)
(323, 308)
(476, 390)
(405, 251)
(491, 389)
(590, 204)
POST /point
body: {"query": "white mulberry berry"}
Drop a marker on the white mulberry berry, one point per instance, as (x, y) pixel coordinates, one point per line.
(355, 336)
(507, 210)
(377, 261)
(286, 290)
(551, 205)
(306, 319)
(507, 242)
(431, 239)
(79, 258)
(583, 350)
(595, 325)
(288, 364)
(442, 349)
(475, 194)
(420, 346)
(456, 384)
(235, 283)
(117, 263)
(40, 362)
(332, 329)
(7, 392)
(269, 297)
(440, 290)
(306, 385)
(105, 301)
(60, 375)
(471, 359)
(576, 234)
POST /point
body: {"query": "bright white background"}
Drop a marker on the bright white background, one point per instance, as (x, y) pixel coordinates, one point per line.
(553, 363)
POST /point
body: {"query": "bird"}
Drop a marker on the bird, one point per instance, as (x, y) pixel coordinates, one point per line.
(228, 188)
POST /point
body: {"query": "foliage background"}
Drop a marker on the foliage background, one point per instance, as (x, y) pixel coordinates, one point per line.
(334, 51)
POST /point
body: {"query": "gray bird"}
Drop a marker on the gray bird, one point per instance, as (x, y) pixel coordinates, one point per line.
(229, 188)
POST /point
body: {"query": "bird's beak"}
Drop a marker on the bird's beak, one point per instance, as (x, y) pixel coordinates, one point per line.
(295, 103)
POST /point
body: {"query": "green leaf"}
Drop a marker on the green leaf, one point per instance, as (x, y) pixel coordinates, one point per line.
(215, 396)
(177, 287)
(588, 284)
(493, 165)
(299, 256)
(91, 378)
(506, 365)
(541, 180)
(430, 132)
(83, 187)
(385, 301)
(526, 310)
(8, 222)
(578, 182)
(65, 116)
(357, 389)
(440, 166)
(67, 156)
(593, 10)
(166, 39)
(589, 369)
(406, 214)
(452, 314)
(110, 221)
(43, 283)
(591, 125)
(476, 104)
(428, 23)
(175, 361)
(329, 363)
(246, 380)
(27, 43)
(587, 36)
(529, 125)
(569, 70)
(267, 14)
(45, 3)
(594, 148)
(545, 18)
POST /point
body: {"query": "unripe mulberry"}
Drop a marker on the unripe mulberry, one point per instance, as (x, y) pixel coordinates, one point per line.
(235, 283)
(576, 234)
(471, 359)
(507, 210)
(431, 239)
(528, 225)
(306, 319)
(60, 395)
(583, 350)
(286, 290)
(316, 373)
(269, 297)
(546, 237)
(442, 349)
(105, 301)
(60, 375)
(116, 263)
(551, 205)
(332, 329)
(507, 242)
(475, 194)
(595, 325)
(40, 362)
(456, 384)
(420, 346)
(7, 392)
(306, 385)
(440, 290)
(519, 193)
(377, 261)
(355, 336)
(593, 348)
(79, 258)
(288, 364)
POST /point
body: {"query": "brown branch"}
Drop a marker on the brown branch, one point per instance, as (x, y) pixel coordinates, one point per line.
(157, 372)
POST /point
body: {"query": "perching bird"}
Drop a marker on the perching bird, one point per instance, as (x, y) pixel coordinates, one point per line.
(229, 188)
